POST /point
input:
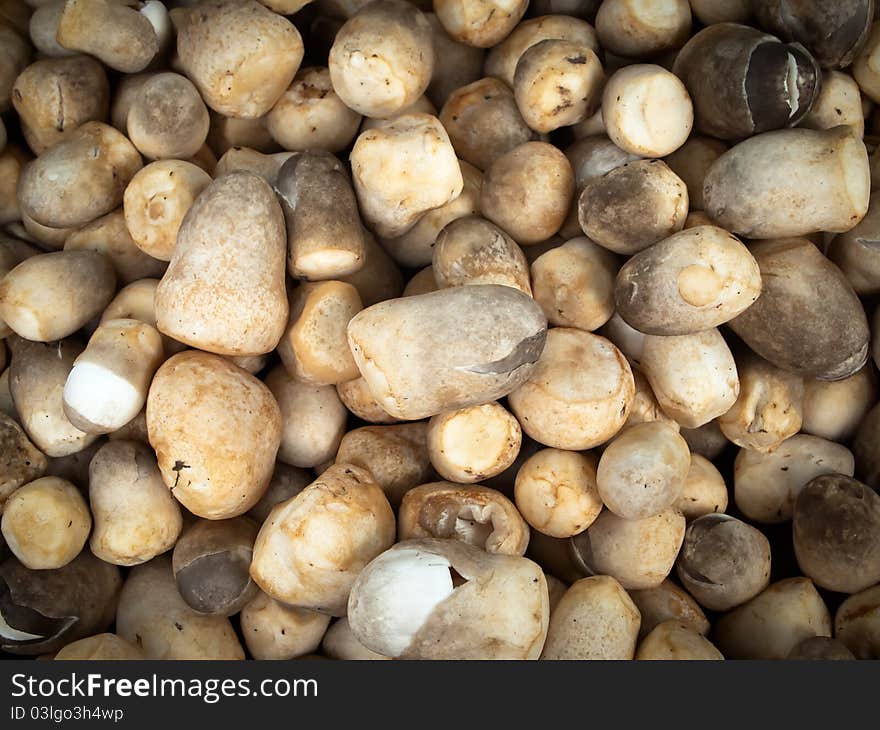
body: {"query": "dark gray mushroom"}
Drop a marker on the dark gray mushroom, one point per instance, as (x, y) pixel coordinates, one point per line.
(43, 610)
(742, 81)
(832, 31)
(324, 234)
(808, 319)
(836, 530)
(723, 562)
(211, 564)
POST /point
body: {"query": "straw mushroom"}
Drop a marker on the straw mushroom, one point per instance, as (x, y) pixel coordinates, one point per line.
(668, 602)
(167, 118)
(484, 122)
(211, 563)
(556, 492)
(594, 619)
(382, 59)
(216, 431)
(315, 348)
(557, 83)
(397, 456)
(833, 33)
(36, 381)
(86, 26)
(691, 162)
(704, 491)
(135, 516)
(766, 485)
(839, 102)
(461, 64)
(217, 47)
(833, 410)
(647, 110)
(578, 395)
(444, 599)
(836, 535)
(54, 96)
(287, 481)
(773, 622)
(643, 470)
(790, 182)
(483, 23)
(475, 443)
(310, 115)
(109, 235)
(821, 648)
(692, 281)
(673, 641)
(274, 631)
(723, 562)
(50, 296)
(473, 514)
(312, 547)
(22, 462)
(769, 408)
(80, 178)
(808, 320)
(324, 234)
(46, 523)
(156, 201)
(231, 240)
(471, 250)
(103, 647)
(416, 246)
(638, 553)
(743, 82)
(153, 616)
(312, 419)
(633, 206)
(402, 170)
(395, 346)
(502, 59)
(340, 643)
(527, 192)
(43, 610)
(574, 284)
(356, 397)
(108, 384)
(636, 28)
(857, 623)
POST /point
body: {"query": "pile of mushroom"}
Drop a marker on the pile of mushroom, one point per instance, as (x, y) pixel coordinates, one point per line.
(439, 330)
